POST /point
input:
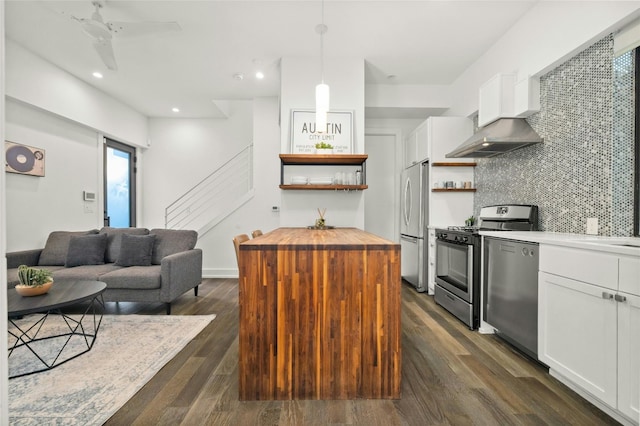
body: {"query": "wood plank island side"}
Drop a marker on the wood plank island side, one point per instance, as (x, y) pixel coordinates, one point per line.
(319, 316)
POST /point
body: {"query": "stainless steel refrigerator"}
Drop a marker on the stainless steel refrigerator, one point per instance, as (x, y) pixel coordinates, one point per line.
(414, 217)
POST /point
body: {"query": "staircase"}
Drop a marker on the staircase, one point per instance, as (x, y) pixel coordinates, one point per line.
(215, 197)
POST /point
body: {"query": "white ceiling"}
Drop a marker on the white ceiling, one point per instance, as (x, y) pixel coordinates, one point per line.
(418, 42)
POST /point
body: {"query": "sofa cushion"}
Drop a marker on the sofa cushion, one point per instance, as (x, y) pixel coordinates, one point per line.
(86, 250)
(171, 241)
(134, 278)
(57, 245)
(135, 250)
(114, 236)
(85, 272)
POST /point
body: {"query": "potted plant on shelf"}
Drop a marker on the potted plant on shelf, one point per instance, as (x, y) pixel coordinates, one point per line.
(33, 281)
(324, 148)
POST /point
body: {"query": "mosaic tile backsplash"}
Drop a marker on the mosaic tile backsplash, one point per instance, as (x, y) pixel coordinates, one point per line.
(584, 168)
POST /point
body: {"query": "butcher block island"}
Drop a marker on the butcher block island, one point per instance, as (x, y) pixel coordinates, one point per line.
(319, 315)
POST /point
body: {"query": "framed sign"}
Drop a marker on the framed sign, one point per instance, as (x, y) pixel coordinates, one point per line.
(23, 159)
(304, 135)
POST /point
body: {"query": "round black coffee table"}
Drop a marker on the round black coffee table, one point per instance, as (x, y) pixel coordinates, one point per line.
(42, 347)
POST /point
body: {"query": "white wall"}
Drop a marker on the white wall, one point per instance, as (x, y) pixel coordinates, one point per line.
(402, 125)
(345, 77)
(407, 96)
(184, 151)
(546, 36)
(4, 363)
(39, 205)
(35, 81)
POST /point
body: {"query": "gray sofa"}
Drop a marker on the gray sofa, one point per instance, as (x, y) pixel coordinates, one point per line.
(137, 264)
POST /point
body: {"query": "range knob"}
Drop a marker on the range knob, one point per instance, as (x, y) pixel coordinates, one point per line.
(465, 239)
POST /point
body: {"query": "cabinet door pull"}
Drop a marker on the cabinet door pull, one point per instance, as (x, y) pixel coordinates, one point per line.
(620, 298)
(606, 295)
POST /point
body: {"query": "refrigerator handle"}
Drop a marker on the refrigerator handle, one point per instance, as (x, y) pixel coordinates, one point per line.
(407, 201)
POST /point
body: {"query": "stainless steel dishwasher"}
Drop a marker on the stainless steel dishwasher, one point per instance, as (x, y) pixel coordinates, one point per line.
(511, 291)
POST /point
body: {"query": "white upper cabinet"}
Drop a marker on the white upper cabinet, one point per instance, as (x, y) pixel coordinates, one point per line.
(496, 98)
(435, 137)
(504, 96)
(411, 149)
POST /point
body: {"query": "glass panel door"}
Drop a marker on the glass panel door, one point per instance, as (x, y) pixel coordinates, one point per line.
(119, 184)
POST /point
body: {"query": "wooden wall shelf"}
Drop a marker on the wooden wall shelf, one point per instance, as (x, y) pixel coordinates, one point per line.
(441, 164)
(331, 160)
(324, 160)
(453, 190)
(326, 187)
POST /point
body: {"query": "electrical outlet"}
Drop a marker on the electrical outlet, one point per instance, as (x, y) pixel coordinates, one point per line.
(592, 226)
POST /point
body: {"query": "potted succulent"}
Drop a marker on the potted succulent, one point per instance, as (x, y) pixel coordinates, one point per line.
(324, 148)
(33, 281)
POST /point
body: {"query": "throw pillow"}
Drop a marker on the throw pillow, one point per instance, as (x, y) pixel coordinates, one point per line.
(55, 250)
(135, 250)
(86, 250)
(171, 241)
(114, 236)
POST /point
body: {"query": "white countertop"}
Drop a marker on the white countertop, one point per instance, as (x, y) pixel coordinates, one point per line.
(582, 241)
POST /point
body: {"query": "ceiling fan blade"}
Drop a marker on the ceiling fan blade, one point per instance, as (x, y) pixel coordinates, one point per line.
(132, 29)
(105, 50)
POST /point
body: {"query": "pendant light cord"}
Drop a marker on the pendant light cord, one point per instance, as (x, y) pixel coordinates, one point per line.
(323, 29)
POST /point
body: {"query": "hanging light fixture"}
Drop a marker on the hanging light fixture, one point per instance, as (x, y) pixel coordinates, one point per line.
(322, 89)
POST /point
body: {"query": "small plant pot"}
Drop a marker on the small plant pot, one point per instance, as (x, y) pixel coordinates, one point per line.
(324, 151)
(30, 290)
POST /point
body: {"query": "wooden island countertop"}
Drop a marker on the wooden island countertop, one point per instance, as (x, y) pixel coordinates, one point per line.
(319, 315)
(305, 238)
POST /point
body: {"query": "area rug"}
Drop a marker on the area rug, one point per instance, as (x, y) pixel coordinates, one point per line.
(129, 350)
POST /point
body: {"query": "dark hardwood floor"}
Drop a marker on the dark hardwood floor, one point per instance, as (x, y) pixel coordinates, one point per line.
(451, 376)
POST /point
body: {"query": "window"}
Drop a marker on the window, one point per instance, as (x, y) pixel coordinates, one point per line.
(119, 184)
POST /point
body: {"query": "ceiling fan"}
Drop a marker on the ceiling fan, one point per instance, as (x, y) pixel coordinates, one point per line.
(102, 33)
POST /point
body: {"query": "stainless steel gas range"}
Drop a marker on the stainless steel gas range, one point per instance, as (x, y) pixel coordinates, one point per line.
(458, 257)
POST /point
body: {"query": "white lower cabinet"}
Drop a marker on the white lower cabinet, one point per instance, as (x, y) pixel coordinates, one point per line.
(589, 332)
(577, 334)
(629, 355)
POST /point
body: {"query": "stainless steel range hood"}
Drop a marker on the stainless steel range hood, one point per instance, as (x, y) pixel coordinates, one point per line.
(503, 135)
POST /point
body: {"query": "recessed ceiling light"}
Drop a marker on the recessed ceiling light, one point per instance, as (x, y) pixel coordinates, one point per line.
(259, 75)
(238, 76)
(97, 74)
(174, 109)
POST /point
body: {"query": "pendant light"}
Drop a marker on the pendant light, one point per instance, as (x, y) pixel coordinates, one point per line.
(322, 89)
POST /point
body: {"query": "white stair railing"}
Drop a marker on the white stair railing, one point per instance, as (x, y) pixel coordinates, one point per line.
(215, 197)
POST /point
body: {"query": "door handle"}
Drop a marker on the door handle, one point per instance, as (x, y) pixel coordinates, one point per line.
(409, 239)
(620, 298)
(408, 202)
(606, 295)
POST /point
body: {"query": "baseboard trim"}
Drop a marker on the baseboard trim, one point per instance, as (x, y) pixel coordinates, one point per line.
(616, 415)
(219, 273)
